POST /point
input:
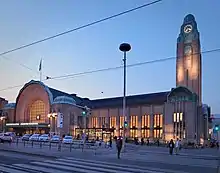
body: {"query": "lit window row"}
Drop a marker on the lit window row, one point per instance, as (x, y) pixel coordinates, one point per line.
(178, 117)
(158, 120)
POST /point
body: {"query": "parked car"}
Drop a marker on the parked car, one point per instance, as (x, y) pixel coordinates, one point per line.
(26, 137)
(44, 138)
(68, 140)
(55, 139)
(34, 137)
(4, 137)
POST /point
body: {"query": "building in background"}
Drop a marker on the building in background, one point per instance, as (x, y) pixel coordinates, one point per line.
(177, 113)
(41, 109)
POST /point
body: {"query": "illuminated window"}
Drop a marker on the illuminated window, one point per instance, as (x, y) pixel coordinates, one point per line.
(133, 133)
(145, 121)
(181, 116)
(145, 133)
(134, 121)
(112, 122)
(121, 122)
(174, 117)
(94, 122)
(158, 133)
(102, 120)
(158, 121)
(37, 112)
(177, 117)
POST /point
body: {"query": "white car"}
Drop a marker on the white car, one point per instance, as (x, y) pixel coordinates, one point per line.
(55, 139)
(34, 137)
(44, 138)
(68, 140)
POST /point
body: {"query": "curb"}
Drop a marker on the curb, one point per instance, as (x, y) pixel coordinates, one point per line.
(26, 153)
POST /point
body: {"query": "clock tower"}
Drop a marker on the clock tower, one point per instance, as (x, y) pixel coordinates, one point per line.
(188, 61)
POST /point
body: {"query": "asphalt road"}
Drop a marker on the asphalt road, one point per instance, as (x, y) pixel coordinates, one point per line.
(10, 158)
(148, 160)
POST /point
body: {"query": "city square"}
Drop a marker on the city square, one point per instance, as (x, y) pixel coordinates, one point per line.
(161, 119)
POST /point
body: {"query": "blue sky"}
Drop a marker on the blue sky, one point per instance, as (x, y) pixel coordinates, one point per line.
(151, 31)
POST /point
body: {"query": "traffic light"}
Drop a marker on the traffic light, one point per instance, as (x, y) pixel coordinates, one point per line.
(126, 124)
(217, 128)
(84, 113)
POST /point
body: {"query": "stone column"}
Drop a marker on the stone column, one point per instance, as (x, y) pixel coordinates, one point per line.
(151, 122)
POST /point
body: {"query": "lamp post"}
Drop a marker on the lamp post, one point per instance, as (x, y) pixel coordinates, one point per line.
(52, 118)
(124, 47)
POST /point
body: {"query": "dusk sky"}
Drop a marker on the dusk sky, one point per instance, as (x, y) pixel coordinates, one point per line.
(151, 31)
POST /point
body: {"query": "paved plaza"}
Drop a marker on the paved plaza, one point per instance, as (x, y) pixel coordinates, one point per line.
(138, 159)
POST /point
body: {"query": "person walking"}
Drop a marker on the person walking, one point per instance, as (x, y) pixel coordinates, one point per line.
(177, 146)
(171, 147)
(119, 146)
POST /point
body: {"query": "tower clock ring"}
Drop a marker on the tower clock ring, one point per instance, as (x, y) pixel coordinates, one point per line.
(188, 29)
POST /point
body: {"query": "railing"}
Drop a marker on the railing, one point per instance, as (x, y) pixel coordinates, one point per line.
(76, 144)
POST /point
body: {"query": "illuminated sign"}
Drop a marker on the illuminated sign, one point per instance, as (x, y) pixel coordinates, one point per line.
(28, 124)
(12, 124)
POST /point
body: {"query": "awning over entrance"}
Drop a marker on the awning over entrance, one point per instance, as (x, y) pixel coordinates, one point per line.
(27, 125)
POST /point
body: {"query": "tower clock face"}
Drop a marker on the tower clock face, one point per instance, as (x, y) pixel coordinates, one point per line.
(187, 50)
(188, 29)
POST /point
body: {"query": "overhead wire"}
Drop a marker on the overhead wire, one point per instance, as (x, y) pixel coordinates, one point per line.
(81, 27)
(63, 77)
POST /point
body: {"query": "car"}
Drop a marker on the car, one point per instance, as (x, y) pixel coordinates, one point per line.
(34, 137)
(44, 138)
(4, 137)
(68, 140)
(26, 137)
(55, 139)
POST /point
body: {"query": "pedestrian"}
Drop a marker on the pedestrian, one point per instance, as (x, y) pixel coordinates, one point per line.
(171, 146)
(177, 146)
(119, 146)
(110, 142)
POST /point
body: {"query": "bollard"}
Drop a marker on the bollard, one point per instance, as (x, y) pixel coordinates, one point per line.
(17, 142)
(40, 144)
(24, 143)
(59, 147)
(50, 145)
(32, 144)
(70, 147)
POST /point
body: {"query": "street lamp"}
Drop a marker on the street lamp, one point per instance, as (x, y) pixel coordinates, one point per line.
(124, 47)
(52, 120)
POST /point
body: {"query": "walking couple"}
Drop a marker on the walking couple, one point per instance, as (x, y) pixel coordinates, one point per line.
(176, 146)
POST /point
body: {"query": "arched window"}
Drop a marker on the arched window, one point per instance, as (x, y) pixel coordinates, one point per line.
(37, 112)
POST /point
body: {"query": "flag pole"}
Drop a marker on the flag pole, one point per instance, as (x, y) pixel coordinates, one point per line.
(40, 69)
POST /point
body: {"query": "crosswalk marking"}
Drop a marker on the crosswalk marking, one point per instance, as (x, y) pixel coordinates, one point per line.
(70, 164)
(10, 170)
(99, 167)
(158, 170)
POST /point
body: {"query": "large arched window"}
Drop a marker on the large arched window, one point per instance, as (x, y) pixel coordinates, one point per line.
(37, 112)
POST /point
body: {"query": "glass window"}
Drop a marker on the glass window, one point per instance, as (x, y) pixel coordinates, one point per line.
(158, 133)
(37, 112)
(121, 122)
(134, 121)
(174, 117)
(145, 133)
(158, 120)
(181, 116)
(145, 121)
(177, 117)
(94, 122)
(133, 133)
(103, 122)
(112, 122)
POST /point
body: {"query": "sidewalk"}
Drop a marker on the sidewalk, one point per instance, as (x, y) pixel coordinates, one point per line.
(53, 152)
